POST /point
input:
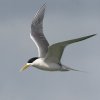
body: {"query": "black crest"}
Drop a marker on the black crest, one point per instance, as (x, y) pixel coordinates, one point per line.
(32, 59)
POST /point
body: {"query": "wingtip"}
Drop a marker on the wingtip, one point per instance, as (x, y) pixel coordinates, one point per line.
(93, 35)
(39, 14)
(41, 9)
(43, 6)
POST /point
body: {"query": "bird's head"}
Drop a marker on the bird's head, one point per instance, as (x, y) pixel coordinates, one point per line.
(29, 63)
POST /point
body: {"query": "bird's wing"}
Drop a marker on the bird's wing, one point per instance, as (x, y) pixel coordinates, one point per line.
(37, 32)
(55, 51)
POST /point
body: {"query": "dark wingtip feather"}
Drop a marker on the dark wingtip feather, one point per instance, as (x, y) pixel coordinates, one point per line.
(89, 36)
(92, 35)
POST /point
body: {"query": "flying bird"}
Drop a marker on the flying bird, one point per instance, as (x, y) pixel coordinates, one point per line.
(49, 56)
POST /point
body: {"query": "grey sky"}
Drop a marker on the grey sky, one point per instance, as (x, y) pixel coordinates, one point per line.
(64, 19)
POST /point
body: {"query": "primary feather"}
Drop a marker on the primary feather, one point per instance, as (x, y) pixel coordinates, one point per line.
(55, 51)
(37, 32)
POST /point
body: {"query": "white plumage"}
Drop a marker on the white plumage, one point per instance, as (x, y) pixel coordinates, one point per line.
(49, 56)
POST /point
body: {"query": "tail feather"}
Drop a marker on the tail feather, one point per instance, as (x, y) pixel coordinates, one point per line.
(65, 68)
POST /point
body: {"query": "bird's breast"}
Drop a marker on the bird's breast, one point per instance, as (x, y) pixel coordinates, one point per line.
(49, 66)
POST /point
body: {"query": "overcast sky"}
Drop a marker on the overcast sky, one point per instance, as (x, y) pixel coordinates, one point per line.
(64, 19)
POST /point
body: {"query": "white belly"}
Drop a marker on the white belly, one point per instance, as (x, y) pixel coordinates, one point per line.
(49, 66)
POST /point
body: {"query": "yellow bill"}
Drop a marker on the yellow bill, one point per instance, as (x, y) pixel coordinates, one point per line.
(24, 67)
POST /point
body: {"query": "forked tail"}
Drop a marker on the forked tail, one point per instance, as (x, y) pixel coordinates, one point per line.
(65, 68)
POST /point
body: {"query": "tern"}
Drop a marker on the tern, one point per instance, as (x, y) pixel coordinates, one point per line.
(49, 56)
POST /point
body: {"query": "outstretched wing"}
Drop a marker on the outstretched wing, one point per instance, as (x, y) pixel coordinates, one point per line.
(55, 51)
(37, 32)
